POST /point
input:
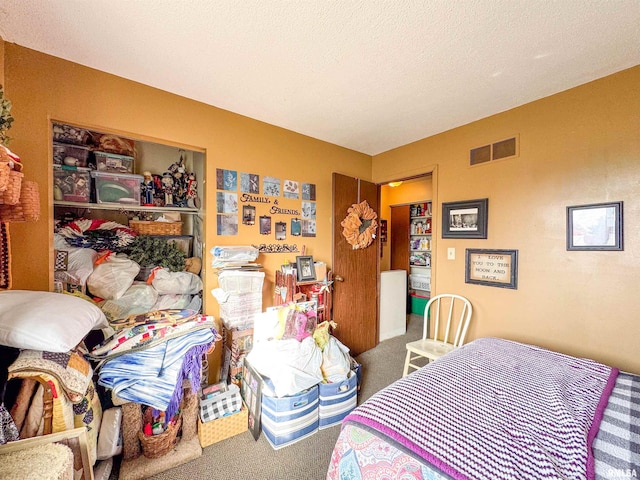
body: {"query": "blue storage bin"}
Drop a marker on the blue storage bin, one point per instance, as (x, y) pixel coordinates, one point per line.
(336, 400)
(286, 420)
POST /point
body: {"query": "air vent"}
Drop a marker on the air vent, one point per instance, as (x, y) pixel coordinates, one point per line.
(480, 155)
(495, 151)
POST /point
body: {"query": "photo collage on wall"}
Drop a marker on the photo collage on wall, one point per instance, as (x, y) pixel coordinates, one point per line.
(283, 208)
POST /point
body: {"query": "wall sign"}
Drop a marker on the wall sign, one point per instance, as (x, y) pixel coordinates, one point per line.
(494, 268)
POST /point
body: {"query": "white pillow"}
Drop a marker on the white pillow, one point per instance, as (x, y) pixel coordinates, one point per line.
(47, 321)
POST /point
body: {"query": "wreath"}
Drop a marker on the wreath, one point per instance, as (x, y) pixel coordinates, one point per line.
(97, 234)
(360, 226)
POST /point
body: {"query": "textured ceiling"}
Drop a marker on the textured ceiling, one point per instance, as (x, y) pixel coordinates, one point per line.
(367, 75)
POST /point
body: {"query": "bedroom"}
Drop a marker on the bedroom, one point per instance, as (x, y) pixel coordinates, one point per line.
(579, 146)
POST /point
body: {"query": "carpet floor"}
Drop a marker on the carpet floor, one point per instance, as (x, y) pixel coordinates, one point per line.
(241, 457)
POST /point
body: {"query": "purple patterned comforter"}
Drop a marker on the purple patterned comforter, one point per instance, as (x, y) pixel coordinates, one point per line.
(497, 409)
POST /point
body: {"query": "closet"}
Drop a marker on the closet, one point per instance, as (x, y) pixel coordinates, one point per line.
(133, 182)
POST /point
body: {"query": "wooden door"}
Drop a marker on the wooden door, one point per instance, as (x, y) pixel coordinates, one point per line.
(399, 237)
(355, 272)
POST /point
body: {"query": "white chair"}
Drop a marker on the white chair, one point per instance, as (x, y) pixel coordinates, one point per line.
(455, 316)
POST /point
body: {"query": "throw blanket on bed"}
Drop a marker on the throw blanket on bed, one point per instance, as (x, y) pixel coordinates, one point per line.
(497, 409)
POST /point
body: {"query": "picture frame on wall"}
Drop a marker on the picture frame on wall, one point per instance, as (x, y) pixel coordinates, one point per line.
(493, 268)
(466, 219)
(281, 230)
(305, 268)
(248, 215)
(265, 225)
(597, 226)
(296, 227)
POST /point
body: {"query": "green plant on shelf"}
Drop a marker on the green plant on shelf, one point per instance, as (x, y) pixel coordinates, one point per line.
(150, 251)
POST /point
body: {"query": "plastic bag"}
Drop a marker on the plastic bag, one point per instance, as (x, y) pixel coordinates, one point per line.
(292, 366)
(139, 298)
(321, 334)
(297, 321)
(109, 439)
(336, 362)
(113, 277)
(172, 301)
(165, 281)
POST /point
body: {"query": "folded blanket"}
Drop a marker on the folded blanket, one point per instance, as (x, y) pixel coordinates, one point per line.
(70, 369)
(152, 331)
(152, 376)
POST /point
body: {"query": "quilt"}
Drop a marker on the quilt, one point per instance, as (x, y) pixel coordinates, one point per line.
(525, 411)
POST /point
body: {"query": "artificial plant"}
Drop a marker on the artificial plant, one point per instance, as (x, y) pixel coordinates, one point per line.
(5, 118)
(150, 251)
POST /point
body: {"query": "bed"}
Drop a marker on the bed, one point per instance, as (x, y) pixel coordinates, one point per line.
(496, 409)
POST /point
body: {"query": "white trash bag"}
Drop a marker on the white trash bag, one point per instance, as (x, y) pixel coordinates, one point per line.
(113, 277)
(184, 283)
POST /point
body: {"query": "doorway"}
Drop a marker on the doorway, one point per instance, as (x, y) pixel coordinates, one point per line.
(399, 253)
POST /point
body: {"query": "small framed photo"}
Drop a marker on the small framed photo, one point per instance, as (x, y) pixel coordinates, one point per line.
(265, 225)
(305, 268)
(296, 227)
(597, 226)
(493, 268)
(281, 230)
(248, 215)
(467, 219)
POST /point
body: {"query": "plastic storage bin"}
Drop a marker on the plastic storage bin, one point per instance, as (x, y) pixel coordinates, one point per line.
(117, 187)
(70, 155)
(71, 184)
(70, 134)
(420, 282)
(113, 163)
(336, 400)
(418, 304)
(287, 420)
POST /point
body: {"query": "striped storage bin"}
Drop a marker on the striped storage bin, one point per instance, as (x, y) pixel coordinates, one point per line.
(336, 400)
(287, 420)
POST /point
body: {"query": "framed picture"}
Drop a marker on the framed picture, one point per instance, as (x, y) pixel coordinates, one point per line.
(494, 268)
(265, 225)
(76, 439)
(466, 219)
(595, 227)
(248, 215)
(296, 227)
(383, 231)
(251, 390)
(281, 230)
(305, 268)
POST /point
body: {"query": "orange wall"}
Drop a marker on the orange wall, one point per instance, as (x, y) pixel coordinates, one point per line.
(43, 87)
(578, 147)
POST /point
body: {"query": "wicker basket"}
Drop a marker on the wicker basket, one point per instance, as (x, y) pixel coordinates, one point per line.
(142, 227)
(27, 209)
(11, 195)
(154, 446)
(223, 428)
(4, 175)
